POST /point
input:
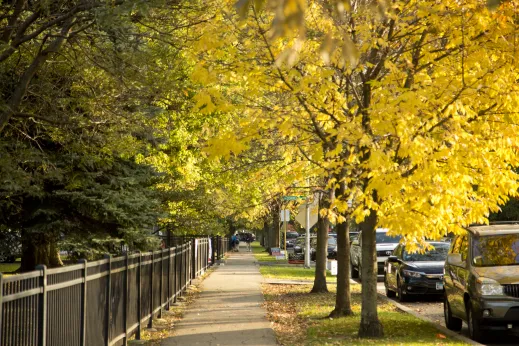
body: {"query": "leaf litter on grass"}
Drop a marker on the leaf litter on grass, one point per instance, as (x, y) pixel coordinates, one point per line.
(301, 318)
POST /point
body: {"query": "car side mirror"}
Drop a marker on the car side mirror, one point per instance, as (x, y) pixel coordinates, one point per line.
(454, 259)
(392, 259)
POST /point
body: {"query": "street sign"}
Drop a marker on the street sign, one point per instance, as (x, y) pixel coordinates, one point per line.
(285, 215)
(293, 198)
(300, 217)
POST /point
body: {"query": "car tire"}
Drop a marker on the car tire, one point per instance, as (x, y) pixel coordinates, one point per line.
(451, 322)
(475, 331)
(353, 271)
(389, 293)
(401, 296)
(11, 259)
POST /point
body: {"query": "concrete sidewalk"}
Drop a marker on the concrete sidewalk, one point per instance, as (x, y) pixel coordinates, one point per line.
(228, 311)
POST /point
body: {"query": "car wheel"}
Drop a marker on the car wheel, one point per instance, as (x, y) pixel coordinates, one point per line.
(475, 331)
(389, 293)
(453, 323)
(3, 257)
(401, 296)
(353, 272)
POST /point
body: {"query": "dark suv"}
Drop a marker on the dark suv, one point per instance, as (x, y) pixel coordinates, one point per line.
(482, 280)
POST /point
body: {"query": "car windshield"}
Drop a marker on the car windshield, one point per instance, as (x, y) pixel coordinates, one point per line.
(439, 253)
(384, 238)
(495, 250)
(292, 235)
(332, 241)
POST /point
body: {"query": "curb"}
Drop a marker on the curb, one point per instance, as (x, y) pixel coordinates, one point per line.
(441, 328)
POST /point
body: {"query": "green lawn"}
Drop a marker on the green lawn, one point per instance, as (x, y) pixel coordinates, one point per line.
(290, 273)
(7, 268)
(301, 318)
(262, 255)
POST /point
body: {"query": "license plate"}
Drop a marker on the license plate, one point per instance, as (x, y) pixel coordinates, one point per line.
(439, 285)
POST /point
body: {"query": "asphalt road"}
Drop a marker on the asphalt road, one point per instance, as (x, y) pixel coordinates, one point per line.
(433, 309)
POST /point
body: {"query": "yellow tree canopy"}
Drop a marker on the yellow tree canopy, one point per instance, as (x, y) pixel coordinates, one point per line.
(413, 104)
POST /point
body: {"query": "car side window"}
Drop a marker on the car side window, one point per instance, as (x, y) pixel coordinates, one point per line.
(464, 248)
(398, 251)
(455, 247)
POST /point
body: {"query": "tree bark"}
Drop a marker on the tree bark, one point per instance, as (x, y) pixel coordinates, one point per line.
(370, 325)
(274, 234)
(39, 249)
(321, 249)
(343, 296)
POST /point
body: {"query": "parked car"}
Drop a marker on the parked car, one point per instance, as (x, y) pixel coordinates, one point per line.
(10, 245)
(291, 239)
(385, 246)
(331, 248)
(299, 247)
(482, 280)
(353, 235)
(413, 274)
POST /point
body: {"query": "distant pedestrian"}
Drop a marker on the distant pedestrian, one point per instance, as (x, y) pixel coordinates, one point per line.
(248, 240)
(235, 243)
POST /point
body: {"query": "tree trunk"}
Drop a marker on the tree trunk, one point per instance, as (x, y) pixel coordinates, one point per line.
(274, 234)
(39, 249)
(343, 296)
(370, 325)
(321, 250)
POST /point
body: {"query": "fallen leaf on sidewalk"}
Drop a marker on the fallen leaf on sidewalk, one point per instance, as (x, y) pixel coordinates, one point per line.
(441, 336)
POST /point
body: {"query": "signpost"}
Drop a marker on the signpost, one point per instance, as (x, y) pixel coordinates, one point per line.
(308, 216)
(285, 217)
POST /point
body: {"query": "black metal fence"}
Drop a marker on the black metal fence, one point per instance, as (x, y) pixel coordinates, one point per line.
(103, 302)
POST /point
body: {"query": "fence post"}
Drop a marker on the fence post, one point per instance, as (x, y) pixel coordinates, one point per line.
(161, 281)
(150, 321)
(125, 299)
(193, 259)
(82, 332)
(190, 258)
(174, 283)
(168, 290)
(108, 299)
(206, 252)
(139, 299)
(43, 306)
(181, 255)
(1, 307)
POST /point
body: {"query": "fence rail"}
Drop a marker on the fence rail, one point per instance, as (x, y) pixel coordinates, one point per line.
(103, 302)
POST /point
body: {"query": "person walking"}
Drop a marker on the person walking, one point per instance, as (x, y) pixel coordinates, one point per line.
(248, 240)
(235, 243)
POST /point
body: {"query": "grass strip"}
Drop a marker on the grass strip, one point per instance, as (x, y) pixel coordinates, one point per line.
(301, 318)
(291, 273)
(262, 255)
